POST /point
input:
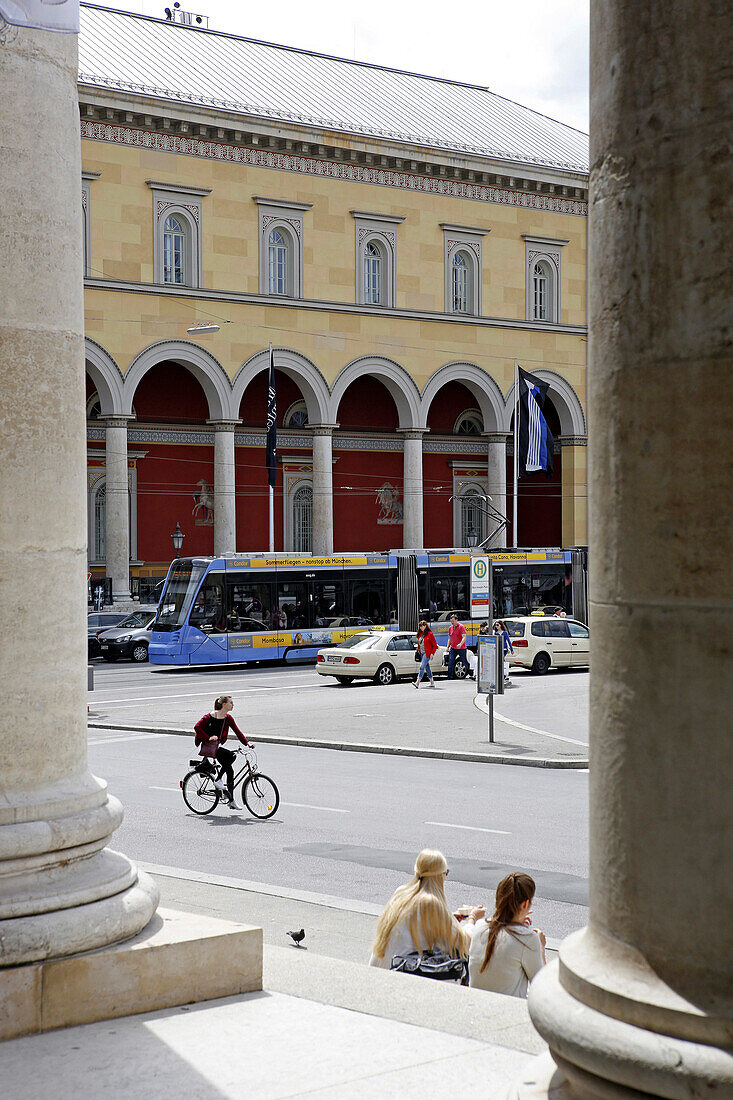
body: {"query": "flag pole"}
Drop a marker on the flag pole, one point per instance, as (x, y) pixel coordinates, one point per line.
(516, 452)
(272, 500)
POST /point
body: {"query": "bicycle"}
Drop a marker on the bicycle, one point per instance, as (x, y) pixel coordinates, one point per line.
(259, 793)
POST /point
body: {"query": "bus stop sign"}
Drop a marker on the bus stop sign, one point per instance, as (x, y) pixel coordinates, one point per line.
(480, 586)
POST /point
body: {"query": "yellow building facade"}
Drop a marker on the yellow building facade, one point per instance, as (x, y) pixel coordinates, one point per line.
(398, 284)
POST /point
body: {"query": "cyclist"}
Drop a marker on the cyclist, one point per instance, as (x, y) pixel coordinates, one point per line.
(211, 733)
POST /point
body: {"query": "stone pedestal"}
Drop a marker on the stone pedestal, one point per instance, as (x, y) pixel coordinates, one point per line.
(323, 489)
(225, 500)
(412, 516)
(117, 510)
(61, 891)
(641, 1002)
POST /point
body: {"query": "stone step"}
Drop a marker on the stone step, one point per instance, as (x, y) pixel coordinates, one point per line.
(180, 958)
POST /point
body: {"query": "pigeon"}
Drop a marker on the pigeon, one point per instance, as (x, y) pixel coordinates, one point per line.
(297, 937)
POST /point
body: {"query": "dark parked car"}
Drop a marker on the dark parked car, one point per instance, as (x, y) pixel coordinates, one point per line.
(96, 623)
(129, 638)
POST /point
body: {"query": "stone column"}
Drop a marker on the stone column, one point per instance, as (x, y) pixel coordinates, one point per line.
(574, 482)
(496, 480)
(412, 516)
(117, 508)
(225, 500)
(641, 1002)
(61, 890)
(323, 489)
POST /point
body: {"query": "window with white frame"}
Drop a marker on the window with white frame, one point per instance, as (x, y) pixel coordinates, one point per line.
(87, 178)
(469, 422)
(177, 233)
(296, 415)
(279, 260)
(473, 516)
(100, 523)
(543, 278)
(376, 243)
(463, 259)
(97, 516)
(303, 519)
(281, 246)
(175, 250)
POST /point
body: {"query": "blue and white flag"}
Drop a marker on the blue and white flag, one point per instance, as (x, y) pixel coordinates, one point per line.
(271, 441)
(535, 438)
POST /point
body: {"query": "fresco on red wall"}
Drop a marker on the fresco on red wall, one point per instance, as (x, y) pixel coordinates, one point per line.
(168, 483)
(360, 479)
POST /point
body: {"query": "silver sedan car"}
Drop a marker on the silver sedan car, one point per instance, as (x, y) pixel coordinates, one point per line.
(379, 655)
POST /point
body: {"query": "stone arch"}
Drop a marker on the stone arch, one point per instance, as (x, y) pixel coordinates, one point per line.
(395, 378)
(305, 374)
(564, 398)
(202, 364)
(479, 382)
(107, 378)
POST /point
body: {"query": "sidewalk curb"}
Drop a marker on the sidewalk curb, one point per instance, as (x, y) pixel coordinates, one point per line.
(353, 746)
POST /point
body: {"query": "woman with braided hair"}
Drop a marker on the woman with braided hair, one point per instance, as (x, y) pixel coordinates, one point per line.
(506, 951)
(417, 916)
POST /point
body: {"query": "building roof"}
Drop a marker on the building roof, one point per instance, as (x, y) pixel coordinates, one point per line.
(186, 64)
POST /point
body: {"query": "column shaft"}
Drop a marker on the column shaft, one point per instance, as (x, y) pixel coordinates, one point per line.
(412, 516)
(61, 891)
(642, 1000)
(117, 510)
(225, 500)
(496, 478)
(323, 490)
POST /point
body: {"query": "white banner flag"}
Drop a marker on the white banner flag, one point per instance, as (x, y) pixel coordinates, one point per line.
(43, 15)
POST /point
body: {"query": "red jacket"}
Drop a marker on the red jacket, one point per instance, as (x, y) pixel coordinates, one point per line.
(428, 640)
(203, 733)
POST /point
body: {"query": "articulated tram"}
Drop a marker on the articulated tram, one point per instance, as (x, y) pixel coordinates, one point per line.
(261, 607)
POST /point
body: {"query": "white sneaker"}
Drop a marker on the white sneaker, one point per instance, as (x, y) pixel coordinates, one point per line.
(220, 784)
(417, 683)
(432, 683)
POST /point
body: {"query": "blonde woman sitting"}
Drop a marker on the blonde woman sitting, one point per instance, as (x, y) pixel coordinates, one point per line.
(417, 916)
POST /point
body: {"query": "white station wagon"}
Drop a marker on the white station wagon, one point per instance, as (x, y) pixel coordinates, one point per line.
(379, 655)
(542, 642)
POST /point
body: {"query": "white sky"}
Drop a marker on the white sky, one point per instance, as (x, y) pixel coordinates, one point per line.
(534, 52)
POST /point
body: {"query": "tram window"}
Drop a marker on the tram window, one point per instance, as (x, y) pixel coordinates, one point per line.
(207, 612)
(447, 593)
(292, 605)
(328, 602)
(368, 602)
(249, 604)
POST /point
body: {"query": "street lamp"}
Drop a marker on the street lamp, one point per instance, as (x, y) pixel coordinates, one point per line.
(200, 328)
(472, 537)
(178, 537)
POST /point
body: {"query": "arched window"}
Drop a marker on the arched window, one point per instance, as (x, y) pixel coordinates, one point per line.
(278, 263)
(473, 517)
(94, 407)
(303, 519)
(470, 422)
(175, 259)
(373, 274)
(100, 523)
(462, 291)
(541, 291)
(296, 415)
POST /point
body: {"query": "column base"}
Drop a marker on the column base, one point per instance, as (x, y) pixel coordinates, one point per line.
(600, 1057)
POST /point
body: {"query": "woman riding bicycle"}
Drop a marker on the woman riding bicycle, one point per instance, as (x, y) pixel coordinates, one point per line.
(211, 733)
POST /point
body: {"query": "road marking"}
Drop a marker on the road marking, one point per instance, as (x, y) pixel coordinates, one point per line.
(193, 695)
(130, 737)
(175, 789)
(530, 729)
(326, 809)
(471, 828)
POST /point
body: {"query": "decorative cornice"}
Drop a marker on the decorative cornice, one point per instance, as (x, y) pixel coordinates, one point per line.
(162, 141)
(281, 204)
(573, 440)
(475, 230)
(364, 215)
(177, 188)
(90, 175)
(333, 307)
(554, 242)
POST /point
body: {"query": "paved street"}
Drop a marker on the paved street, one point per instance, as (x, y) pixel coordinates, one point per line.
(545, 716)
(349, 827)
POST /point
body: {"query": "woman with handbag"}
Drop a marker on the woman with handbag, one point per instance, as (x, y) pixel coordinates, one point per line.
(506, 951)
(417, 918)
(210, 735)
(426, 647)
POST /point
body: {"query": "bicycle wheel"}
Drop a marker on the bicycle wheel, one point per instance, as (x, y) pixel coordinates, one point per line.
(199, 793)
(261, 796)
